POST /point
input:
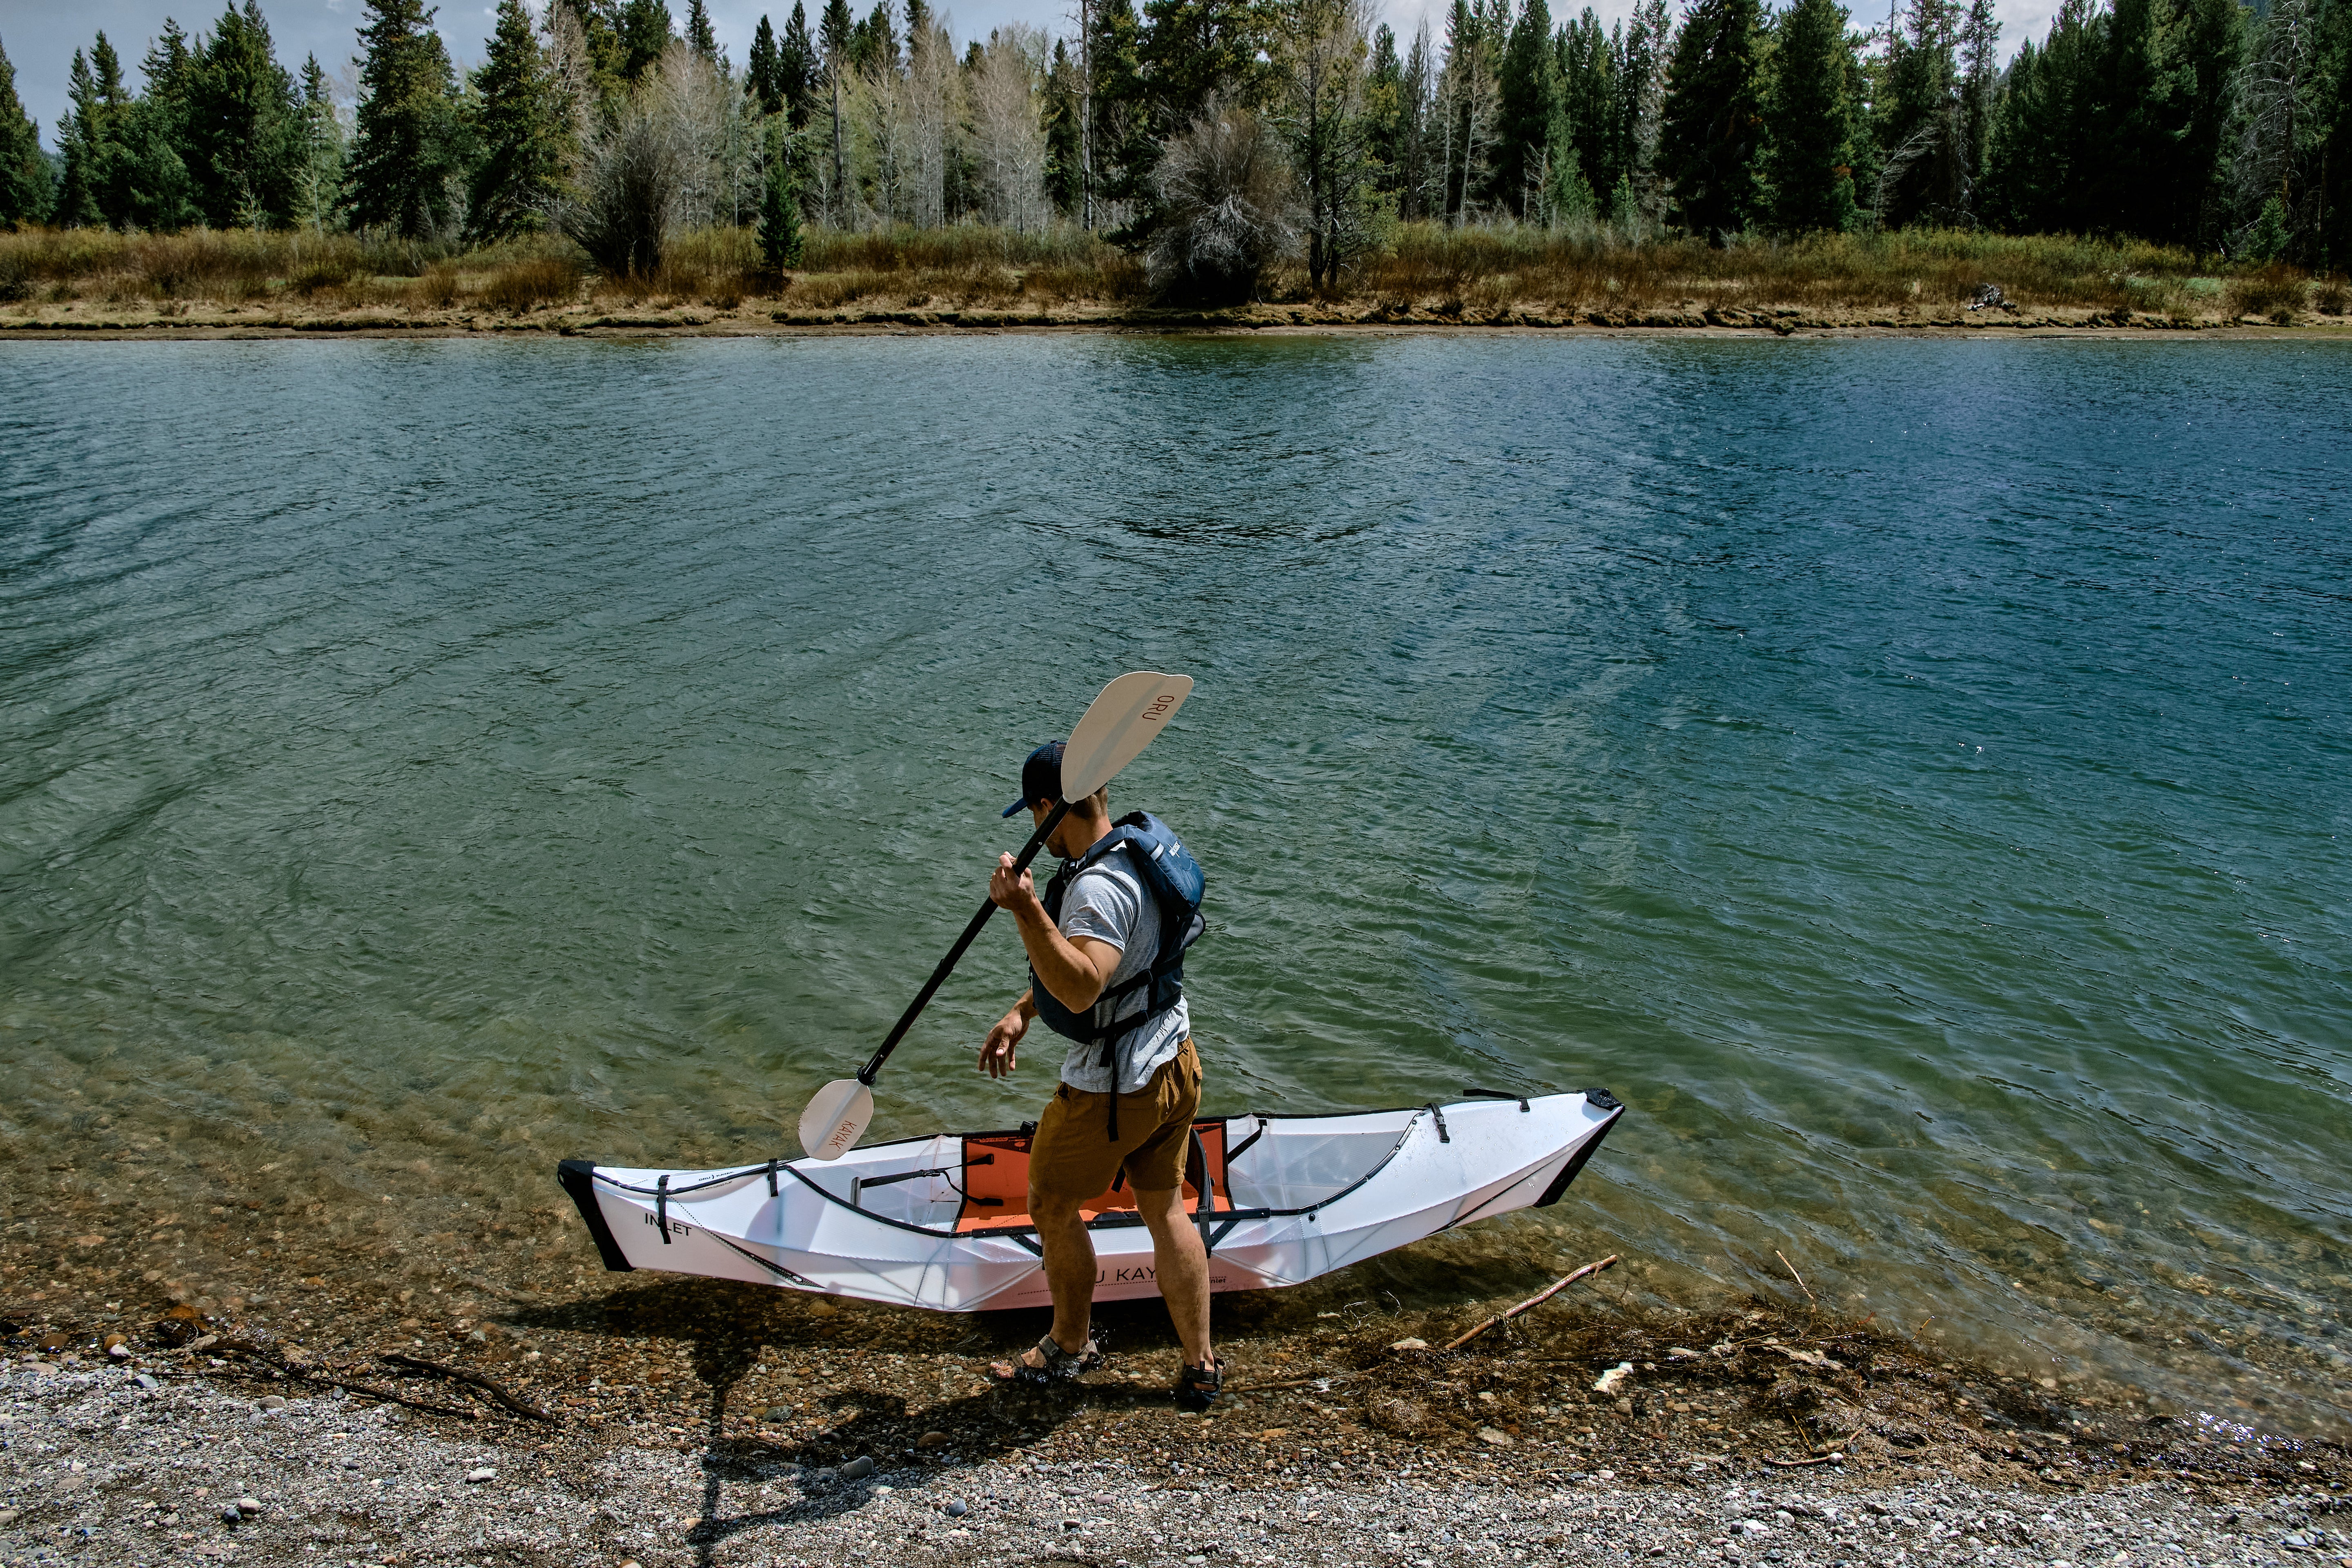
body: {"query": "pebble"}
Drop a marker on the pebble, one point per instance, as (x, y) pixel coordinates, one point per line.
(1415, 1344)
(147, 1381)
(858, 1468)
(248, 1505)
(957, 1508)
(1610, 1381)
(479, 1474)
(273, 1402)
(777, 1413)
(230, 1515)
(1494, 1437)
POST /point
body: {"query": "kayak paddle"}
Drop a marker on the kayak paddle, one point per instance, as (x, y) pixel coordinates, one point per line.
(1118, 725)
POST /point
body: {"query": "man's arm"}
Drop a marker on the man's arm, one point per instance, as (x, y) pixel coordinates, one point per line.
(996, 1052)
(1075, 972)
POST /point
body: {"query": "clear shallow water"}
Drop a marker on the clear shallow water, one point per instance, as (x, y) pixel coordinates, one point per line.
(1910, 773)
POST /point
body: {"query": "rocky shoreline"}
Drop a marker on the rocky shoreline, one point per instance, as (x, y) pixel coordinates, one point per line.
(140, 1459)
(683, 1420)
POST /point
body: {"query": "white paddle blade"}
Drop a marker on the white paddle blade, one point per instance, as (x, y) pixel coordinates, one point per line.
(836, 1119)
(1127, 717)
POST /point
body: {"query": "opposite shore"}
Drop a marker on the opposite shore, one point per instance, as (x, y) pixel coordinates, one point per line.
(214, 321)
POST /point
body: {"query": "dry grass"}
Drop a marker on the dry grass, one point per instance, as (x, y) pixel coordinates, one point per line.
(2276, 291)
(1476, 269)
(528, 285)
(1472, 273)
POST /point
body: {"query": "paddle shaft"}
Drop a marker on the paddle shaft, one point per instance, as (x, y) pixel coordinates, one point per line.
(866, 1074)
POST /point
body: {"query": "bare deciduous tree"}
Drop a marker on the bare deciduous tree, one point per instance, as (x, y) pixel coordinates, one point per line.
(1008, 128)
(1229, 205)
(1322, 49)
(658, 159)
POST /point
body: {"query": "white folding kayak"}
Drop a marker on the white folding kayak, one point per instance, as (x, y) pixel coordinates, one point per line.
(939, 1222)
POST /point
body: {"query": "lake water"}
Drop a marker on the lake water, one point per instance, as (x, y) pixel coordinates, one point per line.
(1912, 774)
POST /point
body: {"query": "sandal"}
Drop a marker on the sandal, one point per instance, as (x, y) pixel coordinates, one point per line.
(1061, 1365)
(1197, 1387)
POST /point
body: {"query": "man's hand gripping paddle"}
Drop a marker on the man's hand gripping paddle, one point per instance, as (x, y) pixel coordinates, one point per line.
(1118, 725)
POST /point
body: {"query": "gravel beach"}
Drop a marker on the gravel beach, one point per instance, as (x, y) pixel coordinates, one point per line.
(142, 1456)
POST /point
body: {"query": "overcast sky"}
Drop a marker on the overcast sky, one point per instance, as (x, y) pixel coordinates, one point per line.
(40, 36)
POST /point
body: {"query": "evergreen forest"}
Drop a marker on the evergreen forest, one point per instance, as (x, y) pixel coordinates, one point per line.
(1214, 139)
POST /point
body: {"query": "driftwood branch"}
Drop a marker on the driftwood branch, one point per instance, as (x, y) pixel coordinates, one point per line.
(1534, 1300)
(304, 1374)
(476, 1379)
(1801, 1464)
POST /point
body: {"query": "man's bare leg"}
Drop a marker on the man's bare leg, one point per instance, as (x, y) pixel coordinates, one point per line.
(1069, 1271)
(1182, 1264)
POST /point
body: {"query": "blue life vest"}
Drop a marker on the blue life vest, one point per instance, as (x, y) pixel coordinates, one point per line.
(1173, 878)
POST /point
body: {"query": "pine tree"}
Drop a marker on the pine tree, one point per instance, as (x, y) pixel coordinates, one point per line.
(517, 128)
(781, 241)
(1530, 114)
(1121, 147)
(404, 159)
(1065, 172)
(2038, 167)
(763, 72)
(317, 186)
(151, 186)
(1926, 174)
(798, 69)
(1980, 82)
(86, 139)
(2205, 45)
(242, 135)
(836, 33)
(1587, 95)
(1192, 50)
(2332, 231)
(699, 35)
(646, 30)
(1710, 139)
(1808, 122)
(1640, 75)
(24, 189)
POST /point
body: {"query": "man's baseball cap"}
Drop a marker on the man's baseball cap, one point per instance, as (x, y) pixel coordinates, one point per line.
(1041, 778)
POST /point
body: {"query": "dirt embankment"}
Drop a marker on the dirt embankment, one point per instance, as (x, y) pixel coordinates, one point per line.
(291, 317)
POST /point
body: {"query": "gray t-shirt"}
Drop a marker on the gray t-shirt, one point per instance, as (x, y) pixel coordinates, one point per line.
(1108, 902)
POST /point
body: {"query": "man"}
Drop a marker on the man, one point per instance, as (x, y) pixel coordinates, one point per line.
(1106, 969)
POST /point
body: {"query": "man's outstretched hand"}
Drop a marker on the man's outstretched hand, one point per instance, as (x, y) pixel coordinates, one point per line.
(996, 1057)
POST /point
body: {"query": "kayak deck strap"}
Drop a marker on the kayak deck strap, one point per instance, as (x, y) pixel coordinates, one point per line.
(578, 1179)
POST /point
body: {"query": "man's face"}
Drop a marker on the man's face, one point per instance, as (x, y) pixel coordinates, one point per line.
(1060, 842)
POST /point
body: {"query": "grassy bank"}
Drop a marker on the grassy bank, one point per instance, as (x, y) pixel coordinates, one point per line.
(1473, 273)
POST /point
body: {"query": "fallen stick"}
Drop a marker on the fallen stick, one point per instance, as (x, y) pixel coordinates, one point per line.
(302, 1374)
(1801, 1464)
(475, 1378)
(1295, 1382)
(1534, 1300)
(1799, 1279)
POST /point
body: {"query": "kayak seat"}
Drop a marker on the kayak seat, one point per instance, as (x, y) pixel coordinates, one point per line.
(996, 1189)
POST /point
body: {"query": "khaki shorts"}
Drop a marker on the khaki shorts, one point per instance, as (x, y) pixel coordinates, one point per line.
(1071, 1156)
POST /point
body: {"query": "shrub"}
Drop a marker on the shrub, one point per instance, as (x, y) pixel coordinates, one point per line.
(2276, 291)
(1229, 205)
(2332, 297)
